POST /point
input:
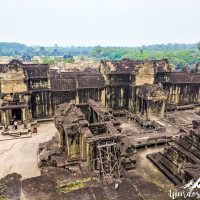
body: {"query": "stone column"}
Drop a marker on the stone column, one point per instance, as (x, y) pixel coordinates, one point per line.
(88, 157)
(60, 140)
(137, 106)
(170, 95)
(3, 117)
(44, 98)
(67, 147)
(121, 97)
(103, 97)
(81, 145)
(6, 122)
(51, 104)
(176, 100)
(142, 107)
(36, 104)
(148, 111)
(77, 97)
(162, 112)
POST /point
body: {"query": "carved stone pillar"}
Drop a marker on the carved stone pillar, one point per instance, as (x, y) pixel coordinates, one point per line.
(60, 140)
(142, 107)
(77, 98)
(137, 106)
(88, 157)
(103, 97)
(5, 119)
(162, 112)
(176, 100)
(148, 110)
(51, 104)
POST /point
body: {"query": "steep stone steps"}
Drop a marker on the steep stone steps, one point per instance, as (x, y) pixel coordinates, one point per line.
(161, 162)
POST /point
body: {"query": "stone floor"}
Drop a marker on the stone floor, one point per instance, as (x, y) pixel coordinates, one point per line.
(137, 135)
(148, 171)
(20, 155)
(15, 133)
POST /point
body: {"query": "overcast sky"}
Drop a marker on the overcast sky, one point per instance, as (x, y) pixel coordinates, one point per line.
(99, 22)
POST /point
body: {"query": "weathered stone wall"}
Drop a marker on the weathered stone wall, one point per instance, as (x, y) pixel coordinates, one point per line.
(12, 81)
(144, 74)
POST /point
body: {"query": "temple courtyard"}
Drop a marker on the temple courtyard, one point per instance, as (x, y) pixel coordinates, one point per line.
(19, 155)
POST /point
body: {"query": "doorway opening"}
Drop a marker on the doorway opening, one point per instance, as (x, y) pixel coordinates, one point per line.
(17, 114)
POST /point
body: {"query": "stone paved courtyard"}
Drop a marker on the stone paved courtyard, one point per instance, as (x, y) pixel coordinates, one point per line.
(20, 155)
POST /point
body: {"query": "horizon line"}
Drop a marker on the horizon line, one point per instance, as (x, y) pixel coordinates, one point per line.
(98, 45)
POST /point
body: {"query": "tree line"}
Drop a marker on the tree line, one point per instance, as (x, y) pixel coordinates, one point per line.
(178, 55)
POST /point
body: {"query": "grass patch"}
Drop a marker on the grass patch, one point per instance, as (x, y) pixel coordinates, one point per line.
(2, 188)
(75, 185)
(2, 197)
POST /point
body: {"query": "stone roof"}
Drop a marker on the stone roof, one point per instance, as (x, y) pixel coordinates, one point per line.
(68, 75)
(128, 66)
(85, 82)
(53, 73)
(124, 66)
(63, 84)
(31, 71)
(72, 80)
(73, 74)
(69, 118)
(161, 65)
(36, 71)
(178, 77)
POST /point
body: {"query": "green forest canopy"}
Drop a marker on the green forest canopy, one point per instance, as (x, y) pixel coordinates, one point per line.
(179, 55)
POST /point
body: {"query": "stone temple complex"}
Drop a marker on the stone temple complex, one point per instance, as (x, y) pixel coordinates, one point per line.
(148, 88)
(105, 117)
